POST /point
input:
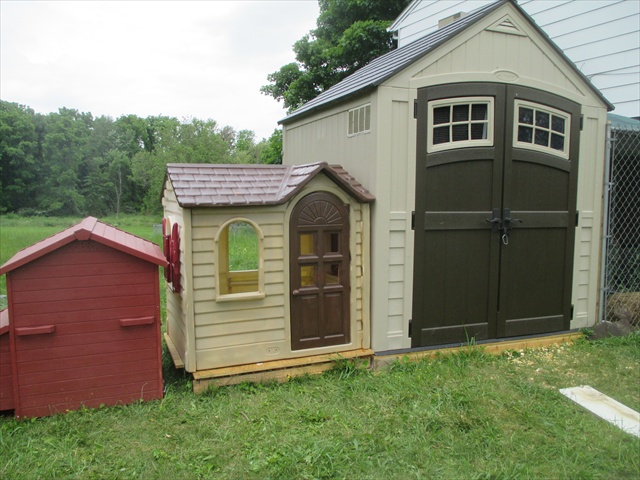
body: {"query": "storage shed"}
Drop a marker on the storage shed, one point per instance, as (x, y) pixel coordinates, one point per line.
(84, 320)
(484, 146)
(304, 290)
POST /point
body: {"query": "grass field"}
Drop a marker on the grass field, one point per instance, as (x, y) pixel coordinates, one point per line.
(465, 416)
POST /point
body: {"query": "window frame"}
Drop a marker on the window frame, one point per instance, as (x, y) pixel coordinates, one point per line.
(221, 255)
(451, 145)
(564, 153)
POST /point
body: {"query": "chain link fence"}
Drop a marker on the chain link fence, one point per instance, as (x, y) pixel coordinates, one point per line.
(620, 298)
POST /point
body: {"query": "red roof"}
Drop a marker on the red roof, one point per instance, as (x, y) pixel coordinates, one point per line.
(89, 229)
(215, 185)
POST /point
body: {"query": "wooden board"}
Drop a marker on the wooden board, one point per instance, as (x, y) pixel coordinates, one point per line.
(279, 370)
(173, 351)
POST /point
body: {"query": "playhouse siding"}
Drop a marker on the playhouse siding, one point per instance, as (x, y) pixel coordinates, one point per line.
(248, 331)
(474, 55)
(83, 293)
(241, 331)
(176, 306)
(601, 37)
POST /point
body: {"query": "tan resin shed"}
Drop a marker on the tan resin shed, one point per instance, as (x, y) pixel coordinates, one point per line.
(303, 292)
(484, 146)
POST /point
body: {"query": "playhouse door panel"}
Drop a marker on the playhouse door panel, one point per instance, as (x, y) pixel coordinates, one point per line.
(495, 209)
(319, 272)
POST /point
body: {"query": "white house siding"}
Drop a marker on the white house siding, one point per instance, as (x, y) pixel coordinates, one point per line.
(601, 37)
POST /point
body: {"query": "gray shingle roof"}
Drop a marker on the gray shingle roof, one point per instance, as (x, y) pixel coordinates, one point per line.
(382, 68)
(212, 185)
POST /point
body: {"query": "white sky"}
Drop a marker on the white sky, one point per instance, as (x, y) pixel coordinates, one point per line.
(202, 59)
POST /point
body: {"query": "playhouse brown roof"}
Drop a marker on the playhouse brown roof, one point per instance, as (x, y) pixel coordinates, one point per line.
(211, 185)
(89, 229)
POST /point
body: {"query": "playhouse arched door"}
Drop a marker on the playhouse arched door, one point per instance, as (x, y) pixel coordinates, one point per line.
(319, 272)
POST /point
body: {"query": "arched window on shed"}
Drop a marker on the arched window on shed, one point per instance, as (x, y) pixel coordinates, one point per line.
(240, 272)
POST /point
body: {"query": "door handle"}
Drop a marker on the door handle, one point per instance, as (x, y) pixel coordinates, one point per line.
(496, 221)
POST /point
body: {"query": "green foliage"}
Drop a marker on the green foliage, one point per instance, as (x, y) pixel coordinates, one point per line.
(69, 163)
(349, 34)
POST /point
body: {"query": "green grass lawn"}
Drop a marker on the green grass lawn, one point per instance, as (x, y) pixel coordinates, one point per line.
(465, 416)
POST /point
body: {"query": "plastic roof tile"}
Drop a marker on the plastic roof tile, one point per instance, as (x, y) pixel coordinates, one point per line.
(226, 185)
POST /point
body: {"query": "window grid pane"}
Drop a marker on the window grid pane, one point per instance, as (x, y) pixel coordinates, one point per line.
(461, 122)
(542, 129)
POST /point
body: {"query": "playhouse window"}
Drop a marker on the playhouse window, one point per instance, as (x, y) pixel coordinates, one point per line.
(239, 273)
(541, 128)
(459, 123)
(359, 120)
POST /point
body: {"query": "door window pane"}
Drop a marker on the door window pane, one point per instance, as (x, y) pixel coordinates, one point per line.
(459, 123)
(541, 128)
(332, 274)
(307, 275)
(307, 244)
(332, 242)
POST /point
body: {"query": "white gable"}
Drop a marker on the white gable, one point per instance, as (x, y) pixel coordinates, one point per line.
(601, 37)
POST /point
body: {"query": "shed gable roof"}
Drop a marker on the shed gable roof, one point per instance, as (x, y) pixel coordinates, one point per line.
(89, 229)
(213, 185)
(383, 68)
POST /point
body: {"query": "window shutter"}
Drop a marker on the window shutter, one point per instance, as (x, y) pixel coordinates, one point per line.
(175, 257)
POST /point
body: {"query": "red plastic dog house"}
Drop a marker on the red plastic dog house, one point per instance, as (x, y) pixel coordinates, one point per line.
(84, 321)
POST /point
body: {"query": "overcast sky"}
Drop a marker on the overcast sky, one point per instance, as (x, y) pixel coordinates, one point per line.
(203, 59)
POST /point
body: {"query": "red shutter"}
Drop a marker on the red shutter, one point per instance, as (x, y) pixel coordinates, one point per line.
(166, 248)
(175, 257)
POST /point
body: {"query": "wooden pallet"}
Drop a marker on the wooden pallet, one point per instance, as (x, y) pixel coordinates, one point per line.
(278, 370)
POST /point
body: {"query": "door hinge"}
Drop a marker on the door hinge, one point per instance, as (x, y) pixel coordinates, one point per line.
(413, 220)
(571, 317)
(415, 108)
(577, 217)
(581, 122)
(410, 323)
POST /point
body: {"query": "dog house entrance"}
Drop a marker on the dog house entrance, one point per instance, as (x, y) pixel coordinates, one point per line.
(496, 184)
(319, 272)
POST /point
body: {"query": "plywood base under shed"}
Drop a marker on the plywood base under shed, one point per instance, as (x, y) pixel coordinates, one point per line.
(279, 370)
(381, 360)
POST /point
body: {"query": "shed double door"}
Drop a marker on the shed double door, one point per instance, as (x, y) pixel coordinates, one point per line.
(495, 213)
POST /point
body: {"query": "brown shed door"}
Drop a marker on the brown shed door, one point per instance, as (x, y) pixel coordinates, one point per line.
(319, 268)
(495, 213)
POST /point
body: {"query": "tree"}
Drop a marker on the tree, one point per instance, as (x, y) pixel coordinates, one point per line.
(272, 151)
(18, 157)
(349, 34)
